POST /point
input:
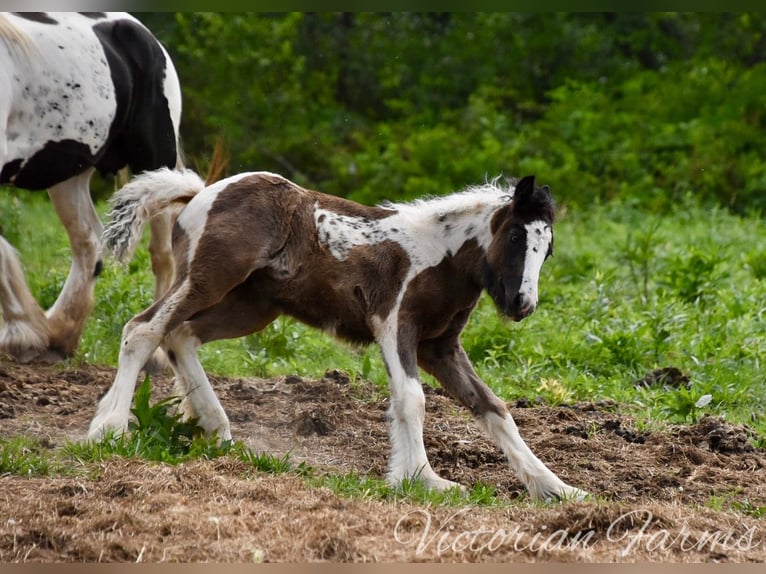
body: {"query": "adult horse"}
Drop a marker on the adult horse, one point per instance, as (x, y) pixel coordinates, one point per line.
(407, 276)
(78, 92)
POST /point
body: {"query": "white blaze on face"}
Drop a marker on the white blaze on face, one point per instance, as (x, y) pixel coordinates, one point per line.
(539, 237)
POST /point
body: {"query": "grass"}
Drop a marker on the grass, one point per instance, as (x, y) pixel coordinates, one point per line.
(25, 457)
(625, 293)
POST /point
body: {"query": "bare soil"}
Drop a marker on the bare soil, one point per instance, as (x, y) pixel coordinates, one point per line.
(689, 493)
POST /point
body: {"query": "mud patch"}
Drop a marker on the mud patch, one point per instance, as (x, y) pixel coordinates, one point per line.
(702, 477)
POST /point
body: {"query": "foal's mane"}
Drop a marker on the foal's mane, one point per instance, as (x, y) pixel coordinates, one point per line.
(472, 199)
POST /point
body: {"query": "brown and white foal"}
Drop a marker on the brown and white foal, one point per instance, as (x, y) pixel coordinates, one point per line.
(407, 276)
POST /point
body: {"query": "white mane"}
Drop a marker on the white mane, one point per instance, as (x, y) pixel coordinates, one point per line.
(15, 38)
(472, 198)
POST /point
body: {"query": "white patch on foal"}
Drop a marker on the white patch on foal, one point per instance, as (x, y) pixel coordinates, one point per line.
(428, 230)
(194, 216)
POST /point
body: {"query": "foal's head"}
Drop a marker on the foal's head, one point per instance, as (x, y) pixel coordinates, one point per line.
(522, 239)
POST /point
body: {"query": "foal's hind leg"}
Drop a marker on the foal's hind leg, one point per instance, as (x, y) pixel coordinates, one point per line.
(143, 334)
(24, 331)
(163, 268)
(240, 313)
(447, 361)
(140, 337)
(67, 317)
(199, 399)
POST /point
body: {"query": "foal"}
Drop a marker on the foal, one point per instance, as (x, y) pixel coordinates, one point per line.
(407, 276)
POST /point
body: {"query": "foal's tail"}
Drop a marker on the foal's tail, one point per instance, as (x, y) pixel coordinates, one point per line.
(144, 197)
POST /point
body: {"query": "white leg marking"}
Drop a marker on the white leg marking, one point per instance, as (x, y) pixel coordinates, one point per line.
(539, 480)
(198, 391)
(406, 414)
(163, 267)
(139, 340)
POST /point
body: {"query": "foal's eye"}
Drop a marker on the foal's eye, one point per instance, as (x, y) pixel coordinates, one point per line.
(514, 237)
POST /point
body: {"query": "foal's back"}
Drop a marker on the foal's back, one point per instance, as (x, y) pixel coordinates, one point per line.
(259, 235)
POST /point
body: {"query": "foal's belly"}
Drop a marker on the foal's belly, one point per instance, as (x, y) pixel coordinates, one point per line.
(340, 318)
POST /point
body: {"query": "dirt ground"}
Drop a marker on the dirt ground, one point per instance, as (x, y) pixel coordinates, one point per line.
(688, 493)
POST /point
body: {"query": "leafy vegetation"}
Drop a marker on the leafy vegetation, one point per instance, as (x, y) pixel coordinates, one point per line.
(642, 106)
(23, 456)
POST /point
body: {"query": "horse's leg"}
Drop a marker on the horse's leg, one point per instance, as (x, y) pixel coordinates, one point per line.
(143, 334)
(199, 399)
(161, 251)
(24, 331)
(23, 328)
(406, 413)
(67, 316)
(140, 337)
(240, 313)
(163, 268)
(446, 360)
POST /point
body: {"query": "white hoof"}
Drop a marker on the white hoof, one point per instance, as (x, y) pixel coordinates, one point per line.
(429, 478)
(101, 427)
(560, 493)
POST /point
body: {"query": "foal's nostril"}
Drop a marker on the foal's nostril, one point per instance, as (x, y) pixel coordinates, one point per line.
(524, 304)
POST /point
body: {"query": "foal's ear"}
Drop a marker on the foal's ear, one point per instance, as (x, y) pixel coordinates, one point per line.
(525, 188)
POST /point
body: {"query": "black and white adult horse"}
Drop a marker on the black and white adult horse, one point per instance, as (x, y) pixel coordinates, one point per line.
(407, 276)
(78, 92)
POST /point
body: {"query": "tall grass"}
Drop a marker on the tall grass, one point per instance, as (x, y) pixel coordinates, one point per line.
(626, 292)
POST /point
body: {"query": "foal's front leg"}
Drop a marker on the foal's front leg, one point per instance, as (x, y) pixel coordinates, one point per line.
(446, 360)
(406, 413)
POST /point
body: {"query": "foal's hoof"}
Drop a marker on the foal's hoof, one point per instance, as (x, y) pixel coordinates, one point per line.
(441, 484)
(432, 481)
(100, 429)
(567, 494)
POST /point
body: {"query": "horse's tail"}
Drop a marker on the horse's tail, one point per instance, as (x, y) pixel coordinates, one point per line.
(141, 199)
(219, 162)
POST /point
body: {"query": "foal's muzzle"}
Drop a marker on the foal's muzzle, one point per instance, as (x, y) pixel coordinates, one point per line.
(521, 306)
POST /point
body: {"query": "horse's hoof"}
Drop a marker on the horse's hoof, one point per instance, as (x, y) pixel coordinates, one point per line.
(568, 494)
(100, 430)
(49, 357)
(34, 356)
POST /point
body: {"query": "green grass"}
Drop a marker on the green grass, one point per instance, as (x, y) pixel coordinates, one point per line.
(24, 457)
(626, 292)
